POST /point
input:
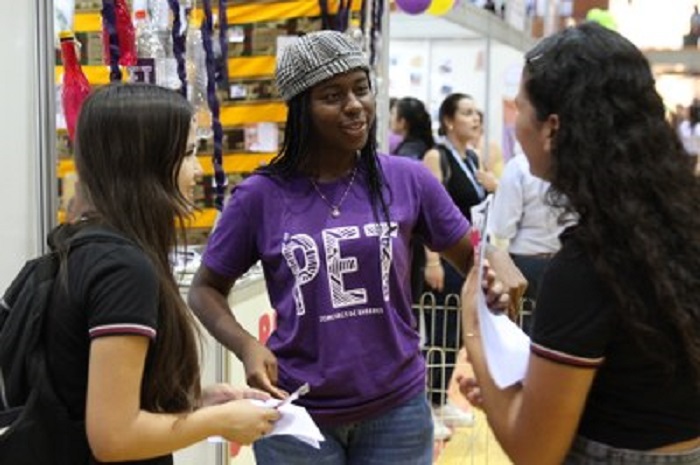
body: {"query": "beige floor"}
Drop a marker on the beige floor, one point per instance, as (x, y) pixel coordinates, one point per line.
(473, 445)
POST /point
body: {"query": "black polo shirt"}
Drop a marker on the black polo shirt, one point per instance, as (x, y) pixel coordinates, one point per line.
(634, 401)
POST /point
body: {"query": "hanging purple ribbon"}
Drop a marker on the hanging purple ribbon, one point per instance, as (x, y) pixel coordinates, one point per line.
(220, 179)
(363, 15)
(340, 22)
(343, 16)
(375, 29)
(325, 15)
(179, 45)
(109, 20)
(222, 64)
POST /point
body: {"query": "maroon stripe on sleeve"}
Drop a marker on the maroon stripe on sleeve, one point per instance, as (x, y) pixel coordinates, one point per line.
(124, 329)
(564, 358)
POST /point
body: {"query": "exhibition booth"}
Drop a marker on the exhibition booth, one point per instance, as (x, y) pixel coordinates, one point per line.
(222, 56)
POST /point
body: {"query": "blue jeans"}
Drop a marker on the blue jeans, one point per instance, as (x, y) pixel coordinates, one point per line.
(587, 452)
(402, 436)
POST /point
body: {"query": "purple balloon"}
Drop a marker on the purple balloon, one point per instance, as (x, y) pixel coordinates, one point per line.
(413, 7)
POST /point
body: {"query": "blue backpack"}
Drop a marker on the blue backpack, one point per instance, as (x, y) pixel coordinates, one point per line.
(35, 427)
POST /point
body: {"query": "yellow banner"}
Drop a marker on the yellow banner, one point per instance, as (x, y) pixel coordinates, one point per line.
(243, 162)
(244, 67)
(237, 14)
(237, 115)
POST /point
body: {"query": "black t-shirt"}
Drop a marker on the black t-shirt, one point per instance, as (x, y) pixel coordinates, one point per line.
(413, 148)
(111, 289)
(634, 402)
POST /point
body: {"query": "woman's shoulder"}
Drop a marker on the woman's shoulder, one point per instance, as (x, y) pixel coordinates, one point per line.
(408, 173)
(122, 253)
(101, 258)
(261, 185)
(414, 148)
(401, 165)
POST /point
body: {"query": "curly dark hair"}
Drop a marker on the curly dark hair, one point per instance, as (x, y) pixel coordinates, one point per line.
(617, 163)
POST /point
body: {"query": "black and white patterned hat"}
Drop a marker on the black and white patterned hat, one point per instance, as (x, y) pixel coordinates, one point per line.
(315, 57)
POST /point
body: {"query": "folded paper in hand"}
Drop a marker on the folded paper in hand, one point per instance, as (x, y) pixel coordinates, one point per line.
(295, 421)
(506, 346)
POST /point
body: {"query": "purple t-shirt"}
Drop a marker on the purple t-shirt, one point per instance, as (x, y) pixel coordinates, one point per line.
(342, 295)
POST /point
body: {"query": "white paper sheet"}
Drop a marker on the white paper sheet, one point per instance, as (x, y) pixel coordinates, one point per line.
(295, 421)
(506, 346)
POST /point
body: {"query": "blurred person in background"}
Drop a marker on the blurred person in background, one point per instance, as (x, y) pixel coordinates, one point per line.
(523, 220)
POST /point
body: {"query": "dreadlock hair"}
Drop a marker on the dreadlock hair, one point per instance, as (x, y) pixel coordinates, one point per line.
(294, 153)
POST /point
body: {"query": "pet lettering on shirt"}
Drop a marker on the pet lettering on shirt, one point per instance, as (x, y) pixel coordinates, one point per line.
(337, 264)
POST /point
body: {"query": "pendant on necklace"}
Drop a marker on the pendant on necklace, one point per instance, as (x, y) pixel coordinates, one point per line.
(335, 213)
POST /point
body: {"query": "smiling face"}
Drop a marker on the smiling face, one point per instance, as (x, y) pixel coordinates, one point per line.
(342, 113)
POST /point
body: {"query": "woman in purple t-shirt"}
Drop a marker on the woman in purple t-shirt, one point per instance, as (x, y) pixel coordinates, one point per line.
(331, 222)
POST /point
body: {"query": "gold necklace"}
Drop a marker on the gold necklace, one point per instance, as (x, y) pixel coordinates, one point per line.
(335, 208)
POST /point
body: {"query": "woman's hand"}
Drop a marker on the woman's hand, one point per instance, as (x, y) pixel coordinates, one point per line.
(510, 277)
(469, 387)
(222, 392)
(244, 422)
(488, 180)
(434, 274)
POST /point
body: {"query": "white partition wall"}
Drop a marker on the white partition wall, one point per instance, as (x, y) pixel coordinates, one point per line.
(430, 69)
(19, 178)
(431, 57)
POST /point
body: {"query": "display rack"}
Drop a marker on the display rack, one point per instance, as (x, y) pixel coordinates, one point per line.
(251, 67)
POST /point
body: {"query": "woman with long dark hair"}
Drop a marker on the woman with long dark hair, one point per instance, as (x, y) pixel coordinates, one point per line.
(614, 369)
(411, 121)
(456, 166)
(122, 346)
(331, 221)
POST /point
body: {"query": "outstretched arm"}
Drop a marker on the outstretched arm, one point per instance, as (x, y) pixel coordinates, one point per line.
(118, 429)
(536, 421)
(208, 299)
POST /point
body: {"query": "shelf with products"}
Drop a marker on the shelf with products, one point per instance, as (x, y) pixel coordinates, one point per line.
(201, 219)
(243, 67)
(232, 163)
(249, 102)
(251, 12)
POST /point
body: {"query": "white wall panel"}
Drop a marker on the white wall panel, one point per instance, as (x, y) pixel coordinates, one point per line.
(18, 131)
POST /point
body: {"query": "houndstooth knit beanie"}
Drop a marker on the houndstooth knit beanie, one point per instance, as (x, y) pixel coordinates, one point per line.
(315, 57)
